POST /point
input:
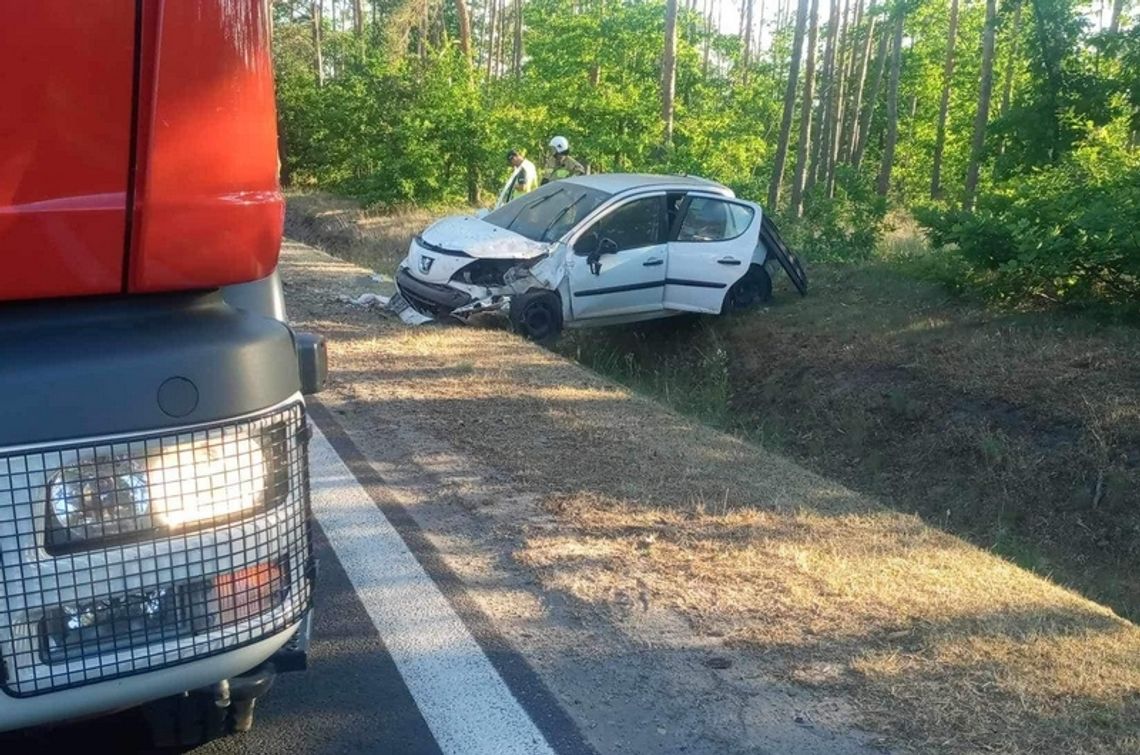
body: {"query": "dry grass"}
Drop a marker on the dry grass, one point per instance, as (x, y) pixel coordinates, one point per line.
(942, 647)
(377, 238)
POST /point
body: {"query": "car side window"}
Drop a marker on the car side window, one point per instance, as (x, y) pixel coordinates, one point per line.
(630, 226)
(710, 219)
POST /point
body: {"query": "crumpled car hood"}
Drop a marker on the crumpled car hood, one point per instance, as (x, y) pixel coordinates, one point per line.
(481, 240)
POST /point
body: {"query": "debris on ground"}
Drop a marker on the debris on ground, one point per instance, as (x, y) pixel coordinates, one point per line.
(400, 307)
(365, 300)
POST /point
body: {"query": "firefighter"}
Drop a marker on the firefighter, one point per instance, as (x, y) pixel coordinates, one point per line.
(559, 164)
(525, 176)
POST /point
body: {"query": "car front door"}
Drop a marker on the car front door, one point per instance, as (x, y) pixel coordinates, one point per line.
(712, 245)
(617, 263)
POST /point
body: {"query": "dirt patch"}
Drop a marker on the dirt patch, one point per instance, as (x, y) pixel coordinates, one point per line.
(682, 539)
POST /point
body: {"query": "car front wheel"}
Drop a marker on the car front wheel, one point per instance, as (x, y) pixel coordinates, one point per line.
(752, 290)
(537, 315)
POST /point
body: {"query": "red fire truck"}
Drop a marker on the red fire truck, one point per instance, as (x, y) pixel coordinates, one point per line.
(155, 542)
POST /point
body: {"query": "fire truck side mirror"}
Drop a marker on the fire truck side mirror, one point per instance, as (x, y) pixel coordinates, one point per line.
(312, 358)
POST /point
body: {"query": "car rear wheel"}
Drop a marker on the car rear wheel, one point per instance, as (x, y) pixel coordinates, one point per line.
(537, 315)
(752, 290)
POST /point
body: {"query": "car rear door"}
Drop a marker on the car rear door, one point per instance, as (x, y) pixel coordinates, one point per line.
(712, 244)
(630, 279)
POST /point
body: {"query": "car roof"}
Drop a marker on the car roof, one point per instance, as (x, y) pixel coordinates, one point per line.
(617, 183)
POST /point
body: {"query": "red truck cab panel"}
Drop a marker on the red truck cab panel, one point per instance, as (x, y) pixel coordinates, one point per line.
(65, 130)
(162, 107)
(207, 208)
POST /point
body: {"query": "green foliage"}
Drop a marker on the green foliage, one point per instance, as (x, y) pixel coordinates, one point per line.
(847, 227)
(1068, 233)
(401, 116)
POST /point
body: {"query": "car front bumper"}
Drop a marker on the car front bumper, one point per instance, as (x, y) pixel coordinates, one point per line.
(431, 299)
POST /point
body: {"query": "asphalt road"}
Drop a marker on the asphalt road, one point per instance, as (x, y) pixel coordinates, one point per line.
(402, 661)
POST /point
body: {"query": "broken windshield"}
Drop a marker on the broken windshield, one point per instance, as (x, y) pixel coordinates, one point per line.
(549, 211)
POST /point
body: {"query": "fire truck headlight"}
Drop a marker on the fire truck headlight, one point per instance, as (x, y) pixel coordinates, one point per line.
(213, 478)
(178, 482)
(103, 496)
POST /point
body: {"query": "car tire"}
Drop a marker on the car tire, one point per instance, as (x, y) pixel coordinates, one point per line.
(537, 315)
(751, 291)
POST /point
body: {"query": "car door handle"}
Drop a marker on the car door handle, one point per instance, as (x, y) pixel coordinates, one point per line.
(728, 261)
(652, 263)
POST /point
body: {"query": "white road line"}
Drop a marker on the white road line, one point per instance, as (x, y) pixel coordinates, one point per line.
(465, 703)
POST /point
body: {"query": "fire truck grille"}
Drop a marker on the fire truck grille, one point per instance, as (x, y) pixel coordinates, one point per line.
(141, 553)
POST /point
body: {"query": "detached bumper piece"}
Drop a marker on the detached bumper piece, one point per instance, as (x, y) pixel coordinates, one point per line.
(431, 299)
(145, 552)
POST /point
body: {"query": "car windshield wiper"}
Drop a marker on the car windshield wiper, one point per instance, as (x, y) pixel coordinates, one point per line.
(510, 226)
(558, 217)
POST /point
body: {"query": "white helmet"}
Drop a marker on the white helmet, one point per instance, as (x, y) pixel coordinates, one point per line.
(560, 144)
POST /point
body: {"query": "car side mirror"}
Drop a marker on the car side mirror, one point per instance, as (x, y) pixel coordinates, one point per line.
(588, 244)
(607, 246)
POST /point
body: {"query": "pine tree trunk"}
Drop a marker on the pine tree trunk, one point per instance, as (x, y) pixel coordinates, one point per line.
(494, 4)
(464, 29)
(518, 45)
(857, 107)
(944, 103)
(746, 36)
(1117, 9)
(708, 39)
(1011, 61)
(789, 107)
(805, 114)
(872, 100)
(850, 111)
(669, 70)
(883, 184)
(1050, 58)
(318, 22)
(979, 141)
(826, 92)
(743, 14)
(760, 29)
(437, 27)
(837, 100)
(358, 18)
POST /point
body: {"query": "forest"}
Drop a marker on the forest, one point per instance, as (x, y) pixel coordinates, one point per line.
(1007, 132)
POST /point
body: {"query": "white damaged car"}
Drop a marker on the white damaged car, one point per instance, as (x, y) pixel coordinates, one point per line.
(598, 250)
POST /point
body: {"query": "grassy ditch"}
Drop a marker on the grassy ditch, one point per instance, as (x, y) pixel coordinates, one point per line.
(1020, 432)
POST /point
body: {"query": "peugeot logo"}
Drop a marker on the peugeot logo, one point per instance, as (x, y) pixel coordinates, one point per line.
(425, 263)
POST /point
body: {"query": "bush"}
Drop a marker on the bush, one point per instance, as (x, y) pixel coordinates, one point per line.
(1069, 233)
(846, 228)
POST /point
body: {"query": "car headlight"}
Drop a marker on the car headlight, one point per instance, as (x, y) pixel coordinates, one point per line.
(177, 482)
